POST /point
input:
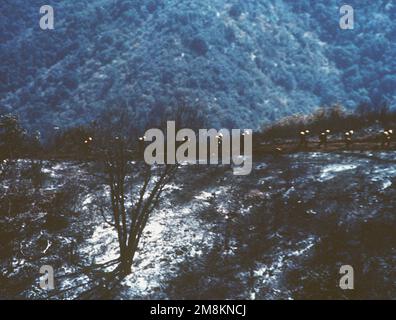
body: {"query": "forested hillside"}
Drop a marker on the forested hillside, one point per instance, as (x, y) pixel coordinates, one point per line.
(247, 62)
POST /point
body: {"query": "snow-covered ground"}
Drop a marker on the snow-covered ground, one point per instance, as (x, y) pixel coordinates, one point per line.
(270, 275)
(172, 234)
(355, 186)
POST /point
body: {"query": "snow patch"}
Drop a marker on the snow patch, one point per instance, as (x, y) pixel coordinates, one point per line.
(329, 171)
(204, 196)
(102, 246)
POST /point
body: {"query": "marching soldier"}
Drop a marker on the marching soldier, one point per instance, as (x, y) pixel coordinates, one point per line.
(323, 138)
(390, 134)
(304, 139)
(88, 145)
(348, 138)
(386, 137)
(141, 144)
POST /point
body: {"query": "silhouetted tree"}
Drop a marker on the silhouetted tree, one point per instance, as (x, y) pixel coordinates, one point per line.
(117, 143)
(11, 137)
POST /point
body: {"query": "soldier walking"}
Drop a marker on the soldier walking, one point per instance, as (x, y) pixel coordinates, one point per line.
(386, 137)
(323, 138)
(348, 138)
(304, 139)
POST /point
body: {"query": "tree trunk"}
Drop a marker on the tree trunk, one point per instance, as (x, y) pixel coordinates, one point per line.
(126, 266)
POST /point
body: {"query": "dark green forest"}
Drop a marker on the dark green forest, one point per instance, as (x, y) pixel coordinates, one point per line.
(244, 62)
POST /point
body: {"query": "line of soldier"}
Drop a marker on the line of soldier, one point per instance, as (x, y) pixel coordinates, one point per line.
(385, 138)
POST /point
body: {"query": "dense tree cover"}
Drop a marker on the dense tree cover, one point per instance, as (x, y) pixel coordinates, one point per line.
(15, 141)
(245, 61)
(334, 118)
(365, 55)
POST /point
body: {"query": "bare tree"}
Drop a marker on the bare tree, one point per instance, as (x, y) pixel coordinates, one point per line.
(12, 137)
(136, 181)
(144, 185)
(134, 187)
